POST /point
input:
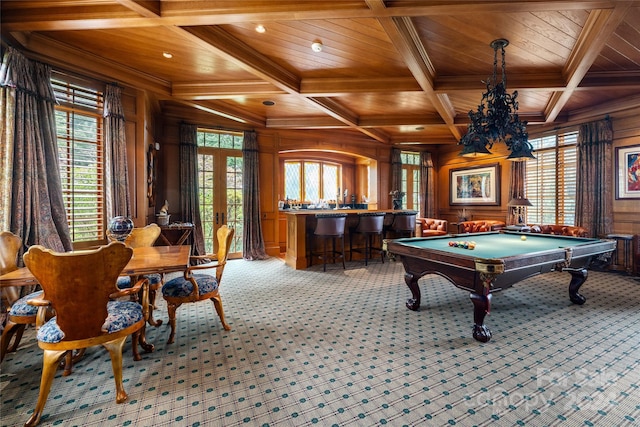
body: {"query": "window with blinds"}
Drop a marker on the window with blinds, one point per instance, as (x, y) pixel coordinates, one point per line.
(80, 151)
(551, 179)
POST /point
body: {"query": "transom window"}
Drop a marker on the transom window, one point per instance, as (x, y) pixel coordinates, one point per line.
(311, 181)
(551, 179)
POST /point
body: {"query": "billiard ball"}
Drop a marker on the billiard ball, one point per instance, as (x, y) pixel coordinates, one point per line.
(523, 238)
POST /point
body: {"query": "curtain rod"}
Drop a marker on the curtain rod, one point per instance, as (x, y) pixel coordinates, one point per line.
(224, 128)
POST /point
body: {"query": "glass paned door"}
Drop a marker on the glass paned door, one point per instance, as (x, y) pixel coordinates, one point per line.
(220, 194)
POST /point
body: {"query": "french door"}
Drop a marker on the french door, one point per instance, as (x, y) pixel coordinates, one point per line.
(220, 194)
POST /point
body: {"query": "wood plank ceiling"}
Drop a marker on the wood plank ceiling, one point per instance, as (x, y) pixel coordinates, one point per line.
(398, 72)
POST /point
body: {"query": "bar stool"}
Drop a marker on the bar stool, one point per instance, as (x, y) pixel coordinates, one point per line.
(370, 225)
(403, 224)
(329, 226)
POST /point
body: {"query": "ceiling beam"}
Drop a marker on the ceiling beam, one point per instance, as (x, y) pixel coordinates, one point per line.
(225, 89)
(56, 53)
(222, 43)
(404, 37)
(600, 26)
(202, 13)
(341, 86)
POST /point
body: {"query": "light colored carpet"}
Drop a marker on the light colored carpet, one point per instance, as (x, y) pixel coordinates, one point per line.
(340, 348)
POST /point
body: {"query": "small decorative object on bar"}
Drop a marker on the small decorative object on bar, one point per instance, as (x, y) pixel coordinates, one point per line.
(497, 117)
(119, 228)
(163, 217)
(396, 199)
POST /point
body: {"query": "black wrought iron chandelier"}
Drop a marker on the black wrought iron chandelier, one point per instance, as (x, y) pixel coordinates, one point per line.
(497, 117)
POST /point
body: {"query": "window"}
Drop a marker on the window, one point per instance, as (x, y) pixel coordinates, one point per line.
(411, 178)
(310, 181)
(551, 180)
(80, 151)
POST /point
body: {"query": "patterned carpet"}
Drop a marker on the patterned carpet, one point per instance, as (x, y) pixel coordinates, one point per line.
(340, 349)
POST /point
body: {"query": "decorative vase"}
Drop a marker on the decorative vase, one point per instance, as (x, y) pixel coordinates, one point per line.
(397, 204)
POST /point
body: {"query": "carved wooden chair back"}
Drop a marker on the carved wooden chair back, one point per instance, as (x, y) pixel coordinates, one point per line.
(143, 236)
(20, 313)
(81, 288)
(194, 286)
(10, 245)
(79, 285)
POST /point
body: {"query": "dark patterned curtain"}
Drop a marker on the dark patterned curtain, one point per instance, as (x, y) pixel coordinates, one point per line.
(253, 241)
(115, 155)
(396, 170)
(189, 203)
(427, 187)
(35, 207)
(518, 172)
(594, 194)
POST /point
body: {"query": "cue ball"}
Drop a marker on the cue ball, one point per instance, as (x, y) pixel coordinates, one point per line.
(523, 238)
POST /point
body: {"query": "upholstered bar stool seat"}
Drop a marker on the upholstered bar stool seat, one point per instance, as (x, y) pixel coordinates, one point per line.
(370, 226)
(403, 224)
(329, 226)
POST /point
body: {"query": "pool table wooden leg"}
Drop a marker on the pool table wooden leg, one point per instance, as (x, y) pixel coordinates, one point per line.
(481, 305)
(578, 277)
(412, 282)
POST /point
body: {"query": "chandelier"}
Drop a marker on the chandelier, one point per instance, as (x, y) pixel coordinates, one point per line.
(497, 117)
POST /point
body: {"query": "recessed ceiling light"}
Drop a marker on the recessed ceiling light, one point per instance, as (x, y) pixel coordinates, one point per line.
(316, 46)
(167, 55)
(268, 103)
(260, 28)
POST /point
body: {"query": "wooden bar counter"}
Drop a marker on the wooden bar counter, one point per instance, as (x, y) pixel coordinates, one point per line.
(300, 225)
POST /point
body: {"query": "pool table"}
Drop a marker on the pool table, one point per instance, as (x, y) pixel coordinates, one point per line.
(498, 261)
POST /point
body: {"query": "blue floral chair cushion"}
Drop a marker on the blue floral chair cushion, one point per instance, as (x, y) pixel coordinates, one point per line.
(181, 287)
(22, 308)
(121, 314)
(124, 282)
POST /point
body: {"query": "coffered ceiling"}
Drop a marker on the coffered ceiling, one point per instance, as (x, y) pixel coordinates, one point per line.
(396, 71)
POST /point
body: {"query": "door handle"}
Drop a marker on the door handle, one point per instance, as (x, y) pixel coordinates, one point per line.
(223, 217)
(217, 218)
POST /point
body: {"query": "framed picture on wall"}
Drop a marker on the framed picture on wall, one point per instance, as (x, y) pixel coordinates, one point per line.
(628, 172)
(475, 186)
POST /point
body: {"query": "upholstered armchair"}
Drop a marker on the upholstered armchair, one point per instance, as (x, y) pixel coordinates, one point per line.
(560, 230)
(81, 288)
(194, 287)
(480, 225)
(428, 227)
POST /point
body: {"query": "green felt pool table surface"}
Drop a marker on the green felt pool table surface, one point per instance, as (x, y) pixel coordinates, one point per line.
(498, 245)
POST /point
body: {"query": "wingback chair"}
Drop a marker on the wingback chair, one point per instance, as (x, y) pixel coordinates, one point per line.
(81, 288)
(20, 314)
(144, 237)
(194, 287)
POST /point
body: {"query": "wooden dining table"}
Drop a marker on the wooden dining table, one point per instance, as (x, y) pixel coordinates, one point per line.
(145, 260)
